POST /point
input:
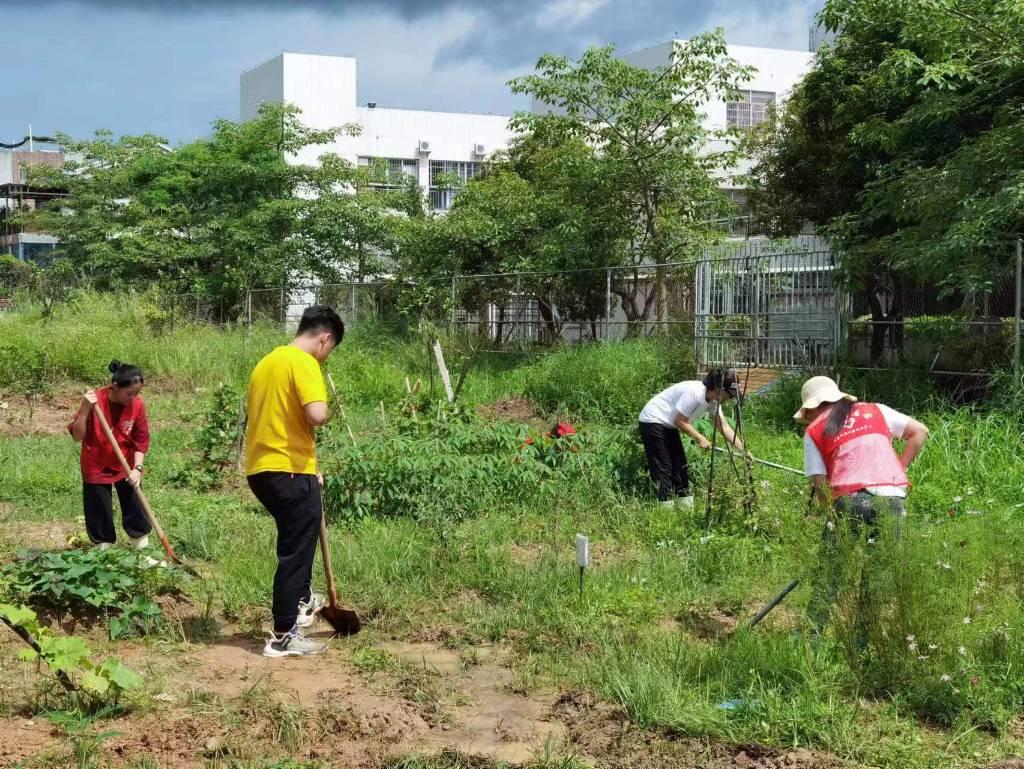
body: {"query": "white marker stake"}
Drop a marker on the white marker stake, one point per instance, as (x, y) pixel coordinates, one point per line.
(582, 557)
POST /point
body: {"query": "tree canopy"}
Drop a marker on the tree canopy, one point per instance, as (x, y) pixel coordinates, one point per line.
(219, 215)
(904, 142)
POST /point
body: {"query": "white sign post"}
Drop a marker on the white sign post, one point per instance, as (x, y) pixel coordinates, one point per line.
(582, 557)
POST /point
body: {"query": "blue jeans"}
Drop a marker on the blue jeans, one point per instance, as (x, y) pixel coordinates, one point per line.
(857, 516)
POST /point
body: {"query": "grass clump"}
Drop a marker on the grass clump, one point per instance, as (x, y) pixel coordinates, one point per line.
(608, 382)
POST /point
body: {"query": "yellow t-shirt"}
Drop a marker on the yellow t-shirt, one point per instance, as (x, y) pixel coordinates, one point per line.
(278, 437)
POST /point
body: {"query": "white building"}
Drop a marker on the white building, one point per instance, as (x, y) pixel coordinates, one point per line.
(424, 143)
(420, 143)
(16, 194)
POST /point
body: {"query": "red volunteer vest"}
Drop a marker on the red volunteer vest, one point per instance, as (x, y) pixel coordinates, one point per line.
(99, 462)
(860, 455)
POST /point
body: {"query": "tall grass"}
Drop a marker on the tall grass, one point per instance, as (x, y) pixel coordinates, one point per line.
(609, 382)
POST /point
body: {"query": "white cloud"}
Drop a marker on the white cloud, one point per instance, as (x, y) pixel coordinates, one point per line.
(570, 11)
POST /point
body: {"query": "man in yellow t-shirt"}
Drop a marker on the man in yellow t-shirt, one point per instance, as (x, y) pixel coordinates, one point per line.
(287, 399)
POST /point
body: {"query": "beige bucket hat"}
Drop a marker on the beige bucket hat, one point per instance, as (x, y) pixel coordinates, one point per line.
(818, 390)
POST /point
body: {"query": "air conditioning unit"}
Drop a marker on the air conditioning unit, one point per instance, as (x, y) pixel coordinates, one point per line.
(479, 150)
(424, 146)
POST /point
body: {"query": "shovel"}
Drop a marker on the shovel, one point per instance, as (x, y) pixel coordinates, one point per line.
(344, 621)
(150, 516)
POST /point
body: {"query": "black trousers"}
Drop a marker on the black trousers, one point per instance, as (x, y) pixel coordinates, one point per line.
(98, 501)
(666, 460)
(293, 500)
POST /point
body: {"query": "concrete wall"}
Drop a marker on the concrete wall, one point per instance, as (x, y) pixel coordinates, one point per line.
(325, 89)
(262, 83)
(12, 161)
(7, 167)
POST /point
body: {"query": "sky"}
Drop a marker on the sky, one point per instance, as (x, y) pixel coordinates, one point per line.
(170, 67)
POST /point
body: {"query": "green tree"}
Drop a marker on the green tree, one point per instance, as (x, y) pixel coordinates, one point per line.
(903, 144)
(582, 224)
(490, 228)
(646, 126)
(216, 216)
(352, 223)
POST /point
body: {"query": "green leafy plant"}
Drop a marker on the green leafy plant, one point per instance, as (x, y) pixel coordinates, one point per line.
(214, 442)
(70, 656)
(444, 462)
(76, 727)
(114, 583)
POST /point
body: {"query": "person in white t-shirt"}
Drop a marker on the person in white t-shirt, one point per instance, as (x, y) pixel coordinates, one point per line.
(850, 459)
(674, 410)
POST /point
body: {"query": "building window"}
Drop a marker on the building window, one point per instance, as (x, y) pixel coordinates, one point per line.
(441, 197)
(750, 110)
(395, 170)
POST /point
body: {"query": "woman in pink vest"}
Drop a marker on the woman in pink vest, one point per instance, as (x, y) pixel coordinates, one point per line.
(848, 453)
(850, 459)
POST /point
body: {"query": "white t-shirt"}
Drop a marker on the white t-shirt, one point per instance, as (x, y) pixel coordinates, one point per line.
(814, 463)
(686, 398)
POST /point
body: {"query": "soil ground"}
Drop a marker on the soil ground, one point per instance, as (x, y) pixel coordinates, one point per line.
(355, 706)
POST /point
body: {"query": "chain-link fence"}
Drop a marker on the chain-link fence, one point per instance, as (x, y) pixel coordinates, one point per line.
(284, 306)
(757, 303)
(900, 324)
(573, 306)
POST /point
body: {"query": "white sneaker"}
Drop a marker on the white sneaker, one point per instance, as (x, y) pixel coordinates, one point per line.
(104, 545)
(668, 503)
(139, 543)
(309, 610)
(292, 644)
(685, 502)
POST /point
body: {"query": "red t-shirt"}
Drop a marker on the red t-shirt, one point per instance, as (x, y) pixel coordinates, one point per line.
(130, 427)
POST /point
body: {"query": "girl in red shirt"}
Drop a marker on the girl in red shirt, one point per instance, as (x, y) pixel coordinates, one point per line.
(101, 470)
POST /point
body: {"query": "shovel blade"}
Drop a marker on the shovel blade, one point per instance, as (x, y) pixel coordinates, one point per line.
(344, 621)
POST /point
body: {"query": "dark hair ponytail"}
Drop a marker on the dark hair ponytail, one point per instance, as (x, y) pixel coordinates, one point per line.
(125, 374)
(724, 379)
(837, 416)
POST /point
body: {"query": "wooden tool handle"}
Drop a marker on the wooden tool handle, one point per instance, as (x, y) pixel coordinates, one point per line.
(150, 516)
(325, 551)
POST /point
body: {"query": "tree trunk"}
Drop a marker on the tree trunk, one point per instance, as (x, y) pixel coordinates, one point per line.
(500, 328)
(878, 327)
(550, 331)
(897, 326)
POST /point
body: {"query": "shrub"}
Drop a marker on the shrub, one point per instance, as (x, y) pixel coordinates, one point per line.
(69, 656)
(448, 464)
